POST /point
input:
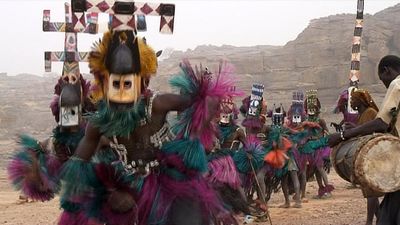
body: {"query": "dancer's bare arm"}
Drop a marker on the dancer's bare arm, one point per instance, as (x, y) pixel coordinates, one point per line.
(88, 145)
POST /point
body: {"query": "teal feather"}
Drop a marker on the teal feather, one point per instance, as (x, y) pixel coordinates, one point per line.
(183, 123)
(70, 206)
(29, 142)
(119, 123)
(242, 159)
(68, 139)
(174, 173)
(78, 177)
(191, 151)
(226, 132)
(312, 145)
(183, 84)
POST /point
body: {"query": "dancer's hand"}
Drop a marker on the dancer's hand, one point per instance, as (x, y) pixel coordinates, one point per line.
(121, 201)
(348, 125)
(334, 139)
(33, 175)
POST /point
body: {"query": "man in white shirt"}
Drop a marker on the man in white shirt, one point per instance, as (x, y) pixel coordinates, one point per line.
(388, 71)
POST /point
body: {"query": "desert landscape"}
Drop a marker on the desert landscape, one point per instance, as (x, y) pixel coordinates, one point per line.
(319, 58)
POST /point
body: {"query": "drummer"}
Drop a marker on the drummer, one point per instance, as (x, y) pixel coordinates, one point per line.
(388, 72)
(362, 101)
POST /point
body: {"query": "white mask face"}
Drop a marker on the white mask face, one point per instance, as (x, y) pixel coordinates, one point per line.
(296, 119)
(225, 118)
(69, 116)
(254, 108)
(277, 119)
(123, 88)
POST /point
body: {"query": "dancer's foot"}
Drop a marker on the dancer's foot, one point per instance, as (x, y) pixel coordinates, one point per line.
(297, 205)
(326, 195)
(317, 197)
(22, 199)
(285, 205)
(351, 186)
(261, 205)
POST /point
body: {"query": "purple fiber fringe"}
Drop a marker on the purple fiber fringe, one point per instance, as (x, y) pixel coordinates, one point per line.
(110, 179)
(329, 188)
(317, 159)
(223, 170)
(55, 108)
(252, 122)
(301, 159)
(350, 118)
(158, 193)
(162, 190)
(18, 171)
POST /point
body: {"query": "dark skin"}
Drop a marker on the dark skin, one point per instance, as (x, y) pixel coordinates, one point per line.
(285, 188)
(162, 104)
(356, 104)
(234, 141)
(321, 176)
(372, 202)
(264, 130)
(138, 144)
(377, 125)
(34, 174)
(302, 178)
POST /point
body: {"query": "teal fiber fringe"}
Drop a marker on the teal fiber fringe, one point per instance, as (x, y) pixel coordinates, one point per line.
(78, 178)
(119, 123)
(242, 161)
(191, 151)
(312, 145)
(68, 139)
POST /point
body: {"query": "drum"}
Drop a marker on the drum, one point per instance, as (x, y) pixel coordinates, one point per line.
(373, 161)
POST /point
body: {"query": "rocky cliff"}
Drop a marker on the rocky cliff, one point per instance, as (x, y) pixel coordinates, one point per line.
(318, 58)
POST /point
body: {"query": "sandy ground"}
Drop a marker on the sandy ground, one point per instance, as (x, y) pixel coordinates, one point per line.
(347, 206)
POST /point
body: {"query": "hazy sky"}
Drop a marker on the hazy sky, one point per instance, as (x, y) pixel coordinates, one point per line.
(217, 22)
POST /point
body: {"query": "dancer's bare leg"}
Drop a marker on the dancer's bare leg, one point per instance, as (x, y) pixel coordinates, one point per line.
(323, 174)
(296, 184)
(372, 209)
(303, 185)
(285, 190)
(261, 183)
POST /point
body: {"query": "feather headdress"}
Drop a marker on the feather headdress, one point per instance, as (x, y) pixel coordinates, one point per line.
(143, 54)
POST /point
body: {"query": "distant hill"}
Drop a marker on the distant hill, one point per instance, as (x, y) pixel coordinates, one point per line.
(318, 58)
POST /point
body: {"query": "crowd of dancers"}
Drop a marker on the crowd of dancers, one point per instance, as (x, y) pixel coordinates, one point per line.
(114, 158)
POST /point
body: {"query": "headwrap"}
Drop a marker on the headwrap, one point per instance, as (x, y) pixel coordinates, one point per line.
(365, 98)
